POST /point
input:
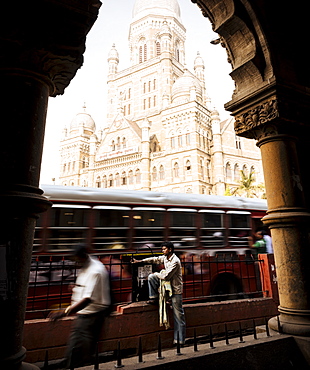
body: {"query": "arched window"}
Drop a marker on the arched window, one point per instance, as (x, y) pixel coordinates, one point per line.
(188, 138)
(104, 181)
(98, 182)
(113, 145)
(245, 170)
(72, 183)
(138, 176)
(202, 169)
(161, 173)
(140, 54)
(124, 142)
(110, 182)
(189, 190)
(130, 177)
(236, 172)
(124, 178)
(208, 170)
(228, 172)
(158, 48)
(84, 162)
(180, 141)
(176, 170)
(117, 180)
(188, 167)
(154, 174)
(145, 52)
(172, 140)
(118, 146)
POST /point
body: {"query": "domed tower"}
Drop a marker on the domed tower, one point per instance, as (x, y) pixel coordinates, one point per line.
(75, 149)
(199, 68)
(113, 59)
(148, 30)
(186, 88)
(217, 154)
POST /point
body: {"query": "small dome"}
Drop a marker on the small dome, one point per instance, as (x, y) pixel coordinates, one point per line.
(83, 121)
(215, 115)
(113, 54)
(159, 7)
(183, 85)
(198, 61)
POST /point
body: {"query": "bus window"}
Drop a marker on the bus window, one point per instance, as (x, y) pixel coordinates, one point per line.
(182, 227)
(67, 226)
(111, 226)
(212, 232)
(148, 224)
(239, 228)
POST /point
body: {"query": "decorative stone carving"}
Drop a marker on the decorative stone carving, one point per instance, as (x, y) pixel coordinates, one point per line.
(256, 116)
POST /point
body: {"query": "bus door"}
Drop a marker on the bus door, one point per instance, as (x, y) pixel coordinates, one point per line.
(183, 227)
(148, 227)
(239, 230)
(111, 228)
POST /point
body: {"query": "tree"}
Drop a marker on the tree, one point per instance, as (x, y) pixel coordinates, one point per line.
(247, 188)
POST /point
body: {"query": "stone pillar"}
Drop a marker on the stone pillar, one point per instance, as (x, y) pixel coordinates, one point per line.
(22, 130)
(287, 215)
(289, 222)
(36, 62)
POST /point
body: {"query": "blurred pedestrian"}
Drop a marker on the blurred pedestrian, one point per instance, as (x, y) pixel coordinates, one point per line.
(268, 240)
(90, 302)
(259, 247)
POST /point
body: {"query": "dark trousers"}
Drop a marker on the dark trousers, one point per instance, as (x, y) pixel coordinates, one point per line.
(83, 338)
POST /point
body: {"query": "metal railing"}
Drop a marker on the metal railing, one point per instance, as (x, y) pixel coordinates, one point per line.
(232, 333)
(205, 279)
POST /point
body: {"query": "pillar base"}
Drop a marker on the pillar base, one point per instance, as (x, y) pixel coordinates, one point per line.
(15, 362)
(293, 322)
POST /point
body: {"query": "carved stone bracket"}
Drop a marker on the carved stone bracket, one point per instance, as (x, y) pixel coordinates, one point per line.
(45, 39)
(258, 115)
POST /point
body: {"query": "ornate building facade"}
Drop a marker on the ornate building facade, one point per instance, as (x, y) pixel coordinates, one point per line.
(161, 132)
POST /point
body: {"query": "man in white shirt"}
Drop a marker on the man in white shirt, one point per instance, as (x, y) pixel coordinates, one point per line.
(172, 273)
(90, 301)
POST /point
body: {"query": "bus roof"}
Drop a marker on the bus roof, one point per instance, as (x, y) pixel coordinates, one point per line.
(119, 196)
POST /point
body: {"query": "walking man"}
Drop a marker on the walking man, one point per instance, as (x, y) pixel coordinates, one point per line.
(90, 301)
(173, 274)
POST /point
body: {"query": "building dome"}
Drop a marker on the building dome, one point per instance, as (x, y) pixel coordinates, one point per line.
(159, 7)
(83, 121)
(113, 54)
(181, 90)
(198, 61)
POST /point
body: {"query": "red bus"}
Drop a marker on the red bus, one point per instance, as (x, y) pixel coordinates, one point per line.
(210, 234)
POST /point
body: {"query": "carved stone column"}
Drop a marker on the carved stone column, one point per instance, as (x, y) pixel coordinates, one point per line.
(287, 215)
(41, 45)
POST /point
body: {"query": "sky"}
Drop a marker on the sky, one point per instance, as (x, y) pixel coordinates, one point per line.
(90, 83)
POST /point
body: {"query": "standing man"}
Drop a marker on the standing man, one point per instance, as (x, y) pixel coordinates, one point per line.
(172, 273)
(90, 301)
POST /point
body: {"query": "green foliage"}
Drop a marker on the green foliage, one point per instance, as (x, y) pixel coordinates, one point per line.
(247, 188)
